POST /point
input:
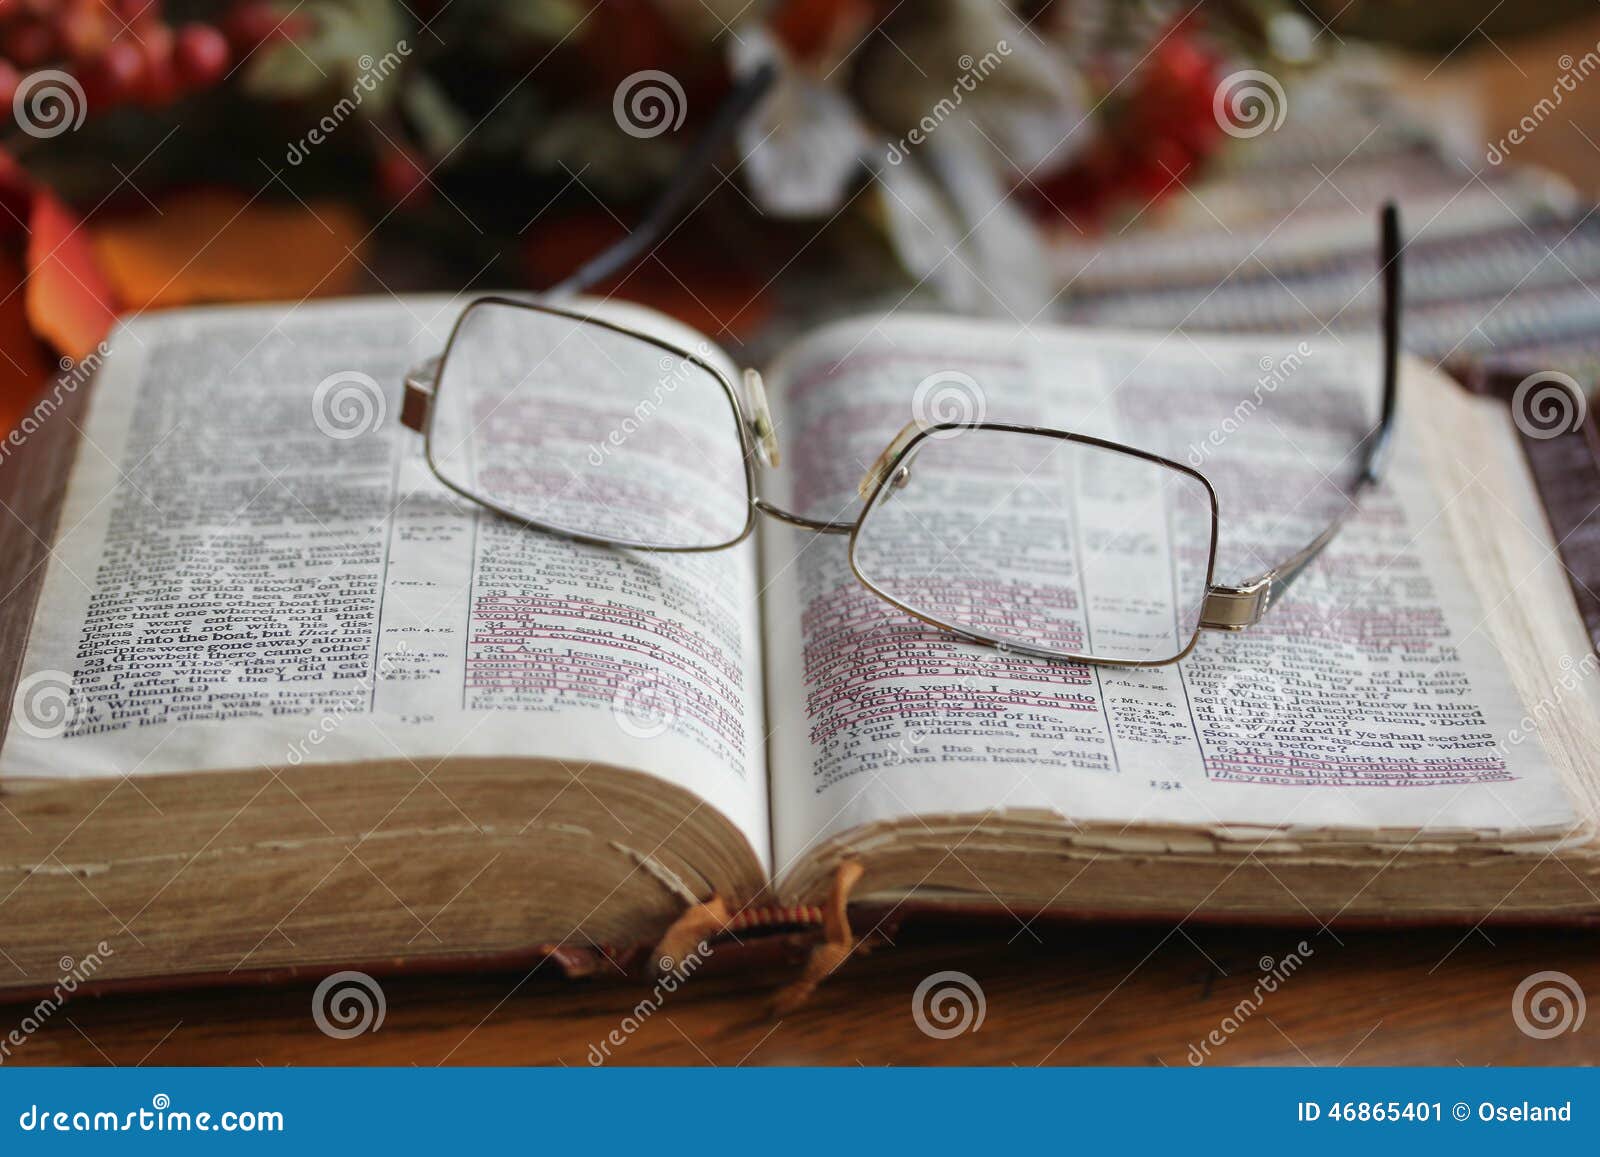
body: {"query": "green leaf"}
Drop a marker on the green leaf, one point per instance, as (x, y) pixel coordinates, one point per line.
(439, 125)
(546, 21)
(354, 52)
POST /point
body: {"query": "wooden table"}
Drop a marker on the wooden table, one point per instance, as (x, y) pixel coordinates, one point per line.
(1087, 995)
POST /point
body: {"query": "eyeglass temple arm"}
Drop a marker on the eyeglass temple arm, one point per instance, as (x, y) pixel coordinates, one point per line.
(669, 206)
(1231, 608)
(420, 380)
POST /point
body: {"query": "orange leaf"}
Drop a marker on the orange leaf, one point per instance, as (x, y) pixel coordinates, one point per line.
(814, 29)
(216, 245)
(68, 301)
(23, 368)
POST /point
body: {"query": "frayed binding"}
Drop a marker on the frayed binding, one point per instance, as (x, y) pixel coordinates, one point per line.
(700, 922)
(697, 924)
(833, 951)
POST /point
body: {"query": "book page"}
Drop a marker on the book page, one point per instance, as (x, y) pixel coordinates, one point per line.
(1369, 697)
(256, 567)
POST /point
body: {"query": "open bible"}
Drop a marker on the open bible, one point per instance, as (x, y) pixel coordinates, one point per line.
(280, 698)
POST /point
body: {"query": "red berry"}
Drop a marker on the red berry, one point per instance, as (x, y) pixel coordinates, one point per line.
(202, 55)
(9, 79)
(160, 85)
(1198, 133)
(1184, 65)
(120, 71)
(401, 177)
(30, 45)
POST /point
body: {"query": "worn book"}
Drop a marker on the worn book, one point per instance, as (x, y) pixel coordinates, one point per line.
(283, 700)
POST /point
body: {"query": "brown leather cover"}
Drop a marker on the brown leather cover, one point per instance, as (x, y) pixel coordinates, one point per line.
(33, 482)
(1566, 469)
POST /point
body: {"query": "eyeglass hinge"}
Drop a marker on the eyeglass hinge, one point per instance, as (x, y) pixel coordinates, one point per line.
(418, 395)
(1233, 608)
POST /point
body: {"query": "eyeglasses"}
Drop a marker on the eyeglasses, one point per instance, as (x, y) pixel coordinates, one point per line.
(1034, 540)
(1029, 539)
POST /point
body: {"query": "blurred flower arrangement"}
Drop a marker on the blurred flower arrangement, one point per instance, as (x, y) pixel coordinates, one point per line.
(163, 151)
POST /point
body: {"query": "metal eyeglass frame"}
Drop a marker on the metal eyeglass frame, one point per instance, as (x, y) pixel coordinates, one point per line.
(1226, 607)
